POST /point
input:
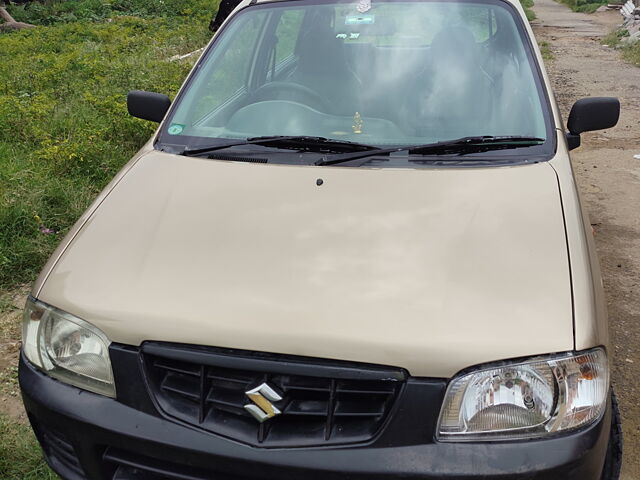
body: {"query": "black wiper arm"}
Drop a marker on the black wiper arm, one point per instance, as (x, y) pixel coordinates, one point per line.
(322, 144)
(237, 143)
(294, 142)
(459, 146)
(476, 144)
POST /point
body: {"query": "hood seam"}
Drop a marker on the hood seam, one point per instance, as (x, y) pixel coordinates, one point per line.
(569, 263)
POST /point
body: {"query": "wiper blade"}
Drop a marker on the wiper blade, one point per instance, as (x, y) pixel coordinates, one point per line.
(322, 144)
(477, 144)
(296, 142)
(459, 146)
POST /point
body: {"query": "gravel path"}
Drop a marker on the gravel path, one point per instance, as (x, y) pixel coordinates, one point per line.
(609, 179)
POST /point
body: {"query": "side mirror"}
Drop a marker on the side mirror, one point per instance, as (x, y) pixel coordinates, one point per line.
(148, 105)
(589, 114)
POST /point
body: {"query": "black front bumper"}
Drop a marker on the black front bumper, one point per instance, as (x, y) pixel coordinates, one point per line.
(88, 436)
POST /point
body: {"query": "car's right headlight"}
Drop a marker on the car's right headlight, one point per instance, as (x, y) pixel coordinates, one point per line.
(520, 400)
(67, 348)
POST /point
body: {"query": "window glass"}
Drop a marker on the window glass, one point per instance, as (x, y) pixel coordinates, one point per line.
(227, 74)
(401, 73)
(287, 33)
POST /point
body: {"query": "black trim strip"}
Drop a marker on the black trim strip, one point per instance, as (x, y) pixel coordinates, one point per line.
(274, 364)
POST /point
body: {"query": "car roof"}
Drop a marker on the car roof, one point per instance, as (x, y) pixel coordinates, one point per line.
(245, 3)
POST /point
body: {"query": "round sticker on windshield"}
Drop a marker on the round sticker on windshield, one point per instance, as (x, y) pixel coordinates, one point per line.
(176, 129)
(363, 6)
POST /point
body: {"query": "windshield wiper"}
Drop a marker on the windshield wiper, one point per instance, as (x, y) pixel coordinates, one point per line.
(297, 142)
(459, 146)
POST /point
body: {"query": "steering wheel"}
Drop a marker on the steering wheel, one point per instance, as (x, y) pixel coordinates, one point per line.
(291, 91)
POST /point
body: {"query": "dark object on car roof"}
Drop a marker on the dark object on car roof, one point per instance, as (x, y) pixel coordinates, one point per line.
(224, 10)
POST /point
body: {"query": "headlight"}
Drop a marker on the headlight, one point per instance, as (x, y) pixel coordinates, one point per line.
(67, 348)
(526, 400)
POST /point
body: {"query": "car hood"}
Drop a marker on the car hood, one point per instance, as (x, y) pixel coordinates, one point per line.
(433, 270)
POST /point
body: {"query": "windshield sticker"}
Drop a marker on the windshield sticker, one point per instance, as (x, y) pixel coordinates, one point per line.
(360, 20)
(350, 36)
(364, 6)
(176, 129)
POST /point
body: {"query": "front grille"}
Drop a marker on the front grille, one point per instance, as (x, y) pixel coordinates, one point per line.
(319, 406)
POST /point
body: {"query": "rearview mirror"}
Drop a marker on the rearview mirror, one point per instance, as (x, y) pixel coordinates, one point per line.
(589, 114)
(148, 105)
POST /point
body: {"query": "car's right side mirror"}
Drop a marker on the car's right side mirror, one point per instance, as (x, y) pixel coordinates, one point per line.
(589, 114)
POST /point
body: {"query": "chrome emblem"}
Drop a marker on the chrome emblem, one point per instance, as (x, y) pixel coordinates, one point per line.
(262, 409)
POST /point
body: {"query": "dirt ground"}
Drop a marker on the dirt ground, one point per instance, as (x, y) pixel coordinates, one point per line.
(10, 324)
(609, 178)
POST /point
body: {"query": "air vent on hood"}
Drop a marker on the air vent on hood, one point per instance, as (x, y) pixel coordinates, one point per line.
(231, 158)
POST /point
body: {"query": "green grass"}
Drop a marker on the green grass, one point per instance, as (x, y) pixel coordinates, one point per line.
(545, 50)
(528, 5)
(630, 52)
(51, 12)
(614, 38)
(585, 6)
(64, 128)
(20, 454)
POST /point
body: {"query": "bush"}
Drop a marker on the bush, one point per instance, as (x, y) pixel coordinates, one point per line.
(585, 6)
(50, 12)
(630, 51)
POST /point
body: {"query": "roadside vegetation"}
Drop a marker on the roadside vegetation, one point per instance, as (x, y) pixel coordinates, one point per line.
(65, 132)
(630, 51)
(545, 51)
(528, 5)
(585, 6)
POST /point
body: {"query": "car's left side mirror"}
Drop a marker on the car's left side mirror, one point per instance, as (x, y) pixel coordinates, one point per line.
(148, 105)
(589, 114)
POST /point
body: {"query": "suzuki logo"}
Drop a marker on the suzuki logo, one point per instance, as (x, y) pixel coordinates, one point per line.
(262, 409)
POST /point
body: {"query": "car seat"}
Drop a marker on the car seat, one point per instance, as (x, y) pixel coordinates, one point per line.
(323, 67)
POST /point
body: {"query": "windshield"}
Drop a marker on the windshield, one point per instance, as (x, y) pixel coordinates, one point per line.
(381, 73)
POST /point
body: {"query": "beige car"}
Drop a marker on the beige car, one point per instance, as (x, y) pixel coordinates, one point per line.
(353, 250)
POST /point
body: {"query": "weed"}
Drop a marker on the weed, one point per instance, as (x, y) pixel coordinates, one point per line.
(585, 6)
(528, 5)
(630, 51)
(545, 50)
(614, 38)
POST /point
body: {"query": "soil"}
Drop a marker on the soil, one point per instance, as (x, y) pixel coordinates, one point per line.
(609, 179)
(10, 324)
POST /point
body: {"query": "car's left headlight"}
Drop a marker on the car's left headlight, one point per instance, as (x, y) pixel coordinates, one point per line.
(67, 348)
(523, 400)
